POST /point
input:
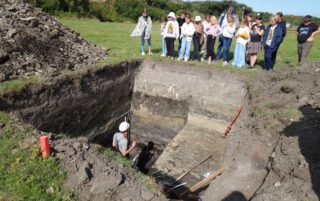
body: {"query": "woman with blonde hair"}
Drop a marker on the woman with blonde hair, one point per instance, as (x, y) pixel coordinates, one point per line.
(212, 30)
(228, 31)
(243, 37)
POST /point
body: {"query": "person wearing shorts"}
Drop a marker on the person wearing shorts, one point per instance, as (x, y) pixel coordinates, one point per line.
(254, 45)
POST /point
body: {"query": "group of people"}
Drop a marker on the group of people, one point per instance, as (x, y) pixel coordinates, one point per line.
(251, 37)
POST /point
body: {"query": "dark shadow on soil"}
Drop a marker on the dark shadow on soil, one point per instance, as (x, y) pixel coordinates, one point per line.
(235, 196)
(308, 132)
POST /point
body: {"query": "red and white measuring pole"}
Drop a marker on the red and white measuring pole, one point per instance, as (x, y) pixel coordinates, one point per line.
(227, 130)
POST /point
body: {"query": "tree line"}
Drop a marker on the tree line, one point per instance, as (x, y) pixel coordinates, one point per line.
(124, 10)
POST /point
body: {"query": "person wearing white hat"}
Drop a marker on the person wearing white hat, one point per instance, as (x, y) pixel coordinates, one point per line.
(120, 140)
(198, 38)
(171, 33)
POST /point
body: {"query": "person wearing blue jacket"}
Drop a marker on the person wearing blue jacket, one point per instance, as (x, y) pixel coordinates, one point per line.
(272, 38)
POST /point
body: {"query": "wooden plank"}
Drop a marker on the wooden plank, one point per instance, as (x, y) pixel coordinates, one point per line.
(202, 161)
(206, 181)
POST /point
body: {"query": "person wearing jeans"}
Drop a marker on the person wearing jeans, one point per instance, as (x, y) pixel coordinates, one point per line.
(163, 40)
(187, 31)
(228, 31)
(171, 33)
(143, 30)
(271, 40)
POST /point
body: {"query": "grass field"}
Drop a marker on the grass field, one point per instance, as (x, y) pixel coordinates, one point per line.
(116, 37)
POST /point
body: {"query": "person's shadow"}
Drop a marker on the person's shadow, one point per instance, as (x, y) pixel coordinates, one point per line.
(308, 132)
(144, 157)
(235, 196)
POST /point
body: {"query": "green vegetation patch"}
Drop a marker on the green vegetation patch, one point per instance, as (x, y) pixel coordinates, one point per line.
(24, 175)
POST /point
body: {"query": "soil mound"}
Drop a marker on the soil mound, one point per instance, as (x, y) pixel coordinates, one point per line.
(32, 42)
(95, 177)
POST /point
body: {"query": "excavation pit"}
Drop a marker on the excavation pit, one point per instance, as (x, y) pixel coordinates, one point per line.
(182, 109)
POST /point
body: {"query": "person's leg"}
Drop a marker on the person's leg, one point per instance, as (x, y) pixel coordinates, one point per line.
(242, 55)
(164, 46)
(268, 58)
(305, 51)
(142, 42)
(213, 44)
(236, 53)
(274, 56)
(226, 48)
(168, 45)
(208, 46)
(187, 51)
(172, 46)
(196, 47)
(179, 46)
(182, 48)
(221, 46)
(149, 45)
(299, 52)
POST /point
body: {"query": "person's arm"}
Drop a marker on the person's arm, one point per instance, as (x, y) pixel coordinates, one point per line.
(114, 141)
(124, 151)
(259, 31)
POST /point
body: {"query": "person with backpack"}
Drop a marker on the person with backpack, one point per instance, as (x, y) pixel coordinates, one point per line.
(254, 45)
(271, 40)
(305, 34)
(143, 29)
(187, 31)
(171, 33)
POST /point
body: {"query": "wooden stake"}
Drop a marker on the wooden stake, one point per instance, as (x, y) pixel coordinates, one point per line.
(184, 174)
(205, 181)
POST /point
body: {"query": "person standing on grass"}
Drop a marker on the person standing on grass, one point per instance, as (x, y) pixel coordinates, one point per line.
(212, 30)
(283, 24)
(163, 41)
(305, 34)
(271, 40)
(143, 29)
(187, 31)
(171, 33)
(181, 20)
(205, 23)
(228, 31)
(197, 38)
(243, 37)
(223, 21)
(254, 45)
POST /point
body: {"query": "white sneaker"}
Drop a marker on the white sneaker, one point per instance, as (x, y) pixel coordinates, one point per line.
(143, 53)
(171, 58)
(162, 55)
(179, 59)
(185, 60)
(225, 63)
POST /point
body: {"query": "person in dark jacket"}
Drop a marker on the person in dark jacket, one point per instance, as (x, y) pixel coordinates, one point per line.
(283, 24)
(271, 40)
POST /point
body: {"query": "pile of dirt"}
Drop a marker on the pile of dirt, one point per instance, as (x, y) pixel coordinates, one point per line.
(95, 177)
(290, 103)
(32, 42)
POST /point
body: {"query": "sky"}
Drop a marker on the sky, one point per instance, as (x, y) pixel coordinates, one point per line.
(294, 7)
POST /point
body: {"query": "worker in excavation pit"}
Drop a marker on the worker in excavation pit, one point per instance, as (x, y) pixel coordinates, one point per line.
(120, 140)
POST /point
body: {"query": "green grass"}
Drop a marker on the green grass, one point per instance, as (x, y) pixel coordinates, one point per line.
(116, 36)
(18, 84)
(24, 175)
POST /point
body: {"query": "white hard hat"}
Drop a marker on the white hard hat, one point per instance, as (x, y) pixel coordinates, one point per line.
(171, 14)
(197, 19)
(124, 126)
